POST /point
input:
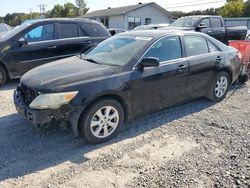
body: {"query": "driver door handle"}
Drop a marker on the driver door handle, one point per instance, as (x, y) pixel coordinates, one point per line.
(182, 67)
(87, 42)
(52, 47)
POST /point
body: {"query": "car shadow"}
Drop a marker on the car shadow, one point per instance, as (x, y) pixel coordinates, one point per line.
(25, 150)
(10, 84)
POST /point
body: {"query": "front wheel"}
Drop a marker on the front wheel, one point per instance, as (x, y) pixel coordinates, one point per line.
(101, 121)
(219, 87)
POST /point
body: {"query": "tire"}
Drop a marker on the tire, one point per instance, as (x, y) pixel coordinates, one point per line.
(104, 126)
(3, 76)
(219, 87)
(243, 78)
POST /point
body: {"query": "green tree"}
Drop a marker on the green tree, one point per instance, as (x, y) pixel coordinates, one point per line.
(56, 11)
(247, 9)
(210, 11)
(233, 8)
(69, 10)
(81, 7)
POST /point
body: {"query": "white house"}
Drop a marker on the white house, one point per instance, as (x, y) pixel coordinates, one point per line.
(128, 17)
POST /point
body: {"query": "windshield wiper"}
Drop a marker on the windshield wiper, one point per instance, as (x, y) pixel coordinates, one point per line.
(100, 63)
(91, 60)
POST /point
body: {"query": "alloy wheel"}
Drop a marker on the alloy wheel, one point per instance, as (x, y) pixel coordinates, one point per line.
(104, 122)
(221, 86)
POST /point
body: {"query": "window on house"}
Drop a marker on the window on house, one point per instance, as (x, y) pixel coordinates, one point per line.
(133, 22)
(147, 21)
(105, 22)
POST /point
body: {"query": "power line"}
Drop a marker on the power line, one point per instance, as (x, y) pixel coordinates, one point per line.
(184, 3)
(196, 4)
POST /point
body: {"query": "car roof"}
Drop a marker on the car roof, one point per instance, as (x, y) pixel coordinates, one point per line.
(158, 33)
(116, 29)
(200, 16)
(63, 19)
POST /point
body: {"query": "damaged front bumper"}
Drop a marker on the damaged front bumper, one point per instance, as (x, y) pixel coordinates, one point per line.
(41, 118)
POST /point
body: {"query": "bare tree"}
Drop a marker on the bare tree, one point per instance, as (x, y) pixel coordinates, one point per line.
(82, 6)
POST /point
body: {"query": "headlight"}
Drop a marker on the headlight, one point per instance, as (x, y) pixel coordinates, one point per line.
(52, 100)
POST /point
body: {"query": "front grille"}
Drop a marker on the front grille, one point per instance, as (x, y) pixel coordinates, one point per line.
(27, 94)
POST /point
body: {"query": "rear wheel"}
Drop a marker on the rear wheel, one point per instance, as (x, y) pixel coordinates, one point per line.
(3, 76)
(101, 121)
(243, 78)
(219, 87)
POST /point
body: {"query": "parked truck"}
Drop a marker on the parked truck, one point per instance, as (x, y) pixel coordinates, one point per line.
(211, 25)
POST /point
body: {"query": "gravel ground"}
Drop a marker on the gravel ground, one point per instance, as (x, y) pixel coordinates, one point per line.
(198, 144)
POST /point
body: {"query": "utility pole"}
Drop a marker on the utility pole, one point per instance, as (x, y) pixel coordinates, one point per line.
(42, 10)
(30, 10)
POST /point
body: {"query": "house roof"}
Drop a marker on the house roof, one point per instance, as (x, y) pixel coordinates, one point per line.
(120, 10)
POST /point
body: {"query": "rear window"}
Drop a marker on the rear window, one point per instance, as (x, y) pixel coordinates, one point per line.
(211, 47)
(69, 30)
(215, 22)
(94, 30)
(195, 45)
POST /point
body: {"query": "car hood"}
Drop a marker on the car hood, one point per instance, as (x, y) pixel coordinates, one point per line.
(62, 74)
(3, 46)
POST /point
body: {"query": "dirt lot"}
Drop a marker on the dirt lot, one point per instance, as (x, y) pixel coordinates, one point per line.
(199, 144)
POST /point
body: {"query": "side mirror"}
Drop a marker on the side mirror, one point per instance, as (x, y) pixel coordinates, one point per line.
(22, 41)
(149, 62)
(202, 26)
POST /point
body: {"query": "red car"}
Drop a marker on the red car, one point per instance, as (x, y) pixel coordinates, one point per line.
(243, 46)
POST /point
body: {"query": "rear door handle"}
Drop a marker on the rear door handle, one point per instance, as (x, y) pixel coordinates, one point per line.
(87, 42)
(182, 67)
(52, 47)
(218, 59)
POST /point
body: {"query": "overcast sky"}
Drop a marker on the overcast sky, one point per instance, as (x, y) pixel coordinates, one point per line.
(10, 6)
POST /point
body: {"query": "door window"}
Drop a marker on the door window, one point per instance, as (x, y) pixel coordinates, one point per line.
(94, 30)
(195, 45)
(41, 33)
(166, 49)
(69, 30)
(216, 22)
(206, 21)
(211, 47)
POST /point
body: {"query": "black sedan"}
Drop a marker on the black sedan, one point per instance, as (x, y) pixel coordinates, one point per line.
(125, 76)
(37, 42)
